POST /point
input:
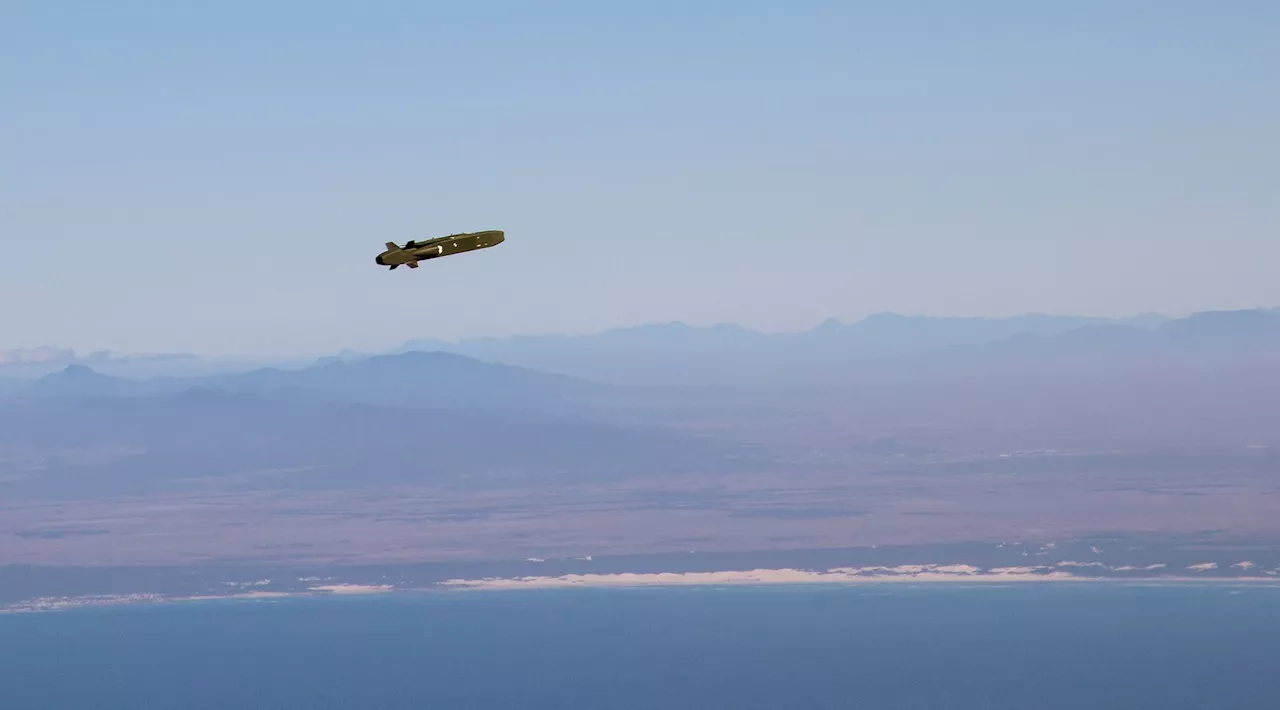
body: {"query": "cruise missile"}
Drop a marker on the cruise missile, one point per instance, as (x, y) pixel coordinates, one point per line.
(414, 251)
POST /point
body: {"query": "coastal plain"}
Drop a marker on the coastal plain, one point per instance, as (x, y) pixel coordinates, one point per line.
(1155, 454)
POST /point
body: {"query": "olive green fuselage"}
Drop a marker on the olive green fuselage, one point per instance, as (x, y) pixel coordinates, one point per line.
(414, 251)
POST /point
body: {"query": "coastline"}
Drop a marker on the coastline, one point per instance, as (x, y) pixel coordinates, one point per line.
(905, 574)
(51, 604)
(846, 576)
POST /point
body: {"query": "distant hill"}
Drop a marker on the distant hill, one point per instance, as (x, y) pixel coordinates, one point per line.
(890, 333)
(884, 333)
(558, 373)
(82, 381)
(31, 363)
(891, 383)
(420, 379)
(1223, 342)
(886, 345)
(1225, 329)
(1213, 337)
(416, 379)
(203, 438)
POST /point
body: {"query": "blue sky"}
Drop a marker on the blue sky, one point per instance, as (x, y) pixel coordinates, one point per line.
(217, 179)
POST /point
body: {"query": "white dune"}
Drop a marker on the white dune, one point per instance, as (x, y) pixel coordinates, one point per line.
(351, 588)
(1131, 568)
(844, 575)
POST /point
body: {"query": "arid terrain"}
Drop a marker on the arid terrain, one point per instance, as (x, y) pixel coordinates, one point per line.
(420, 458)
(1032, 497)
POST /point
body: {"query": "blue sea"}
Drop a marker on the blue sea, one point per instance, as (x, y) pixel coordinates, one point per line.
(1042, 646)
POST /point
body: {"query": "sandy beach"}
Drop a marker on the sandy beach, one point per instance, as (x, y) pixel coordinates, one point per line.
(845, 575)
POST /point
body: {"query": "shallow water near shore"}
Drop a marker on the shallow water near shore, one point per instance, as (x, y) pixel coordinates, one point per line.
(927, 646)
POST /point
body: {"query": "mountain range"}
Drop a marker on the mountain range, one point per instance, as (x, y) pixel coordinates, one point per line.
(624, 403)
(883, 346)
(541, 371)
(91, 446)
(418, 379)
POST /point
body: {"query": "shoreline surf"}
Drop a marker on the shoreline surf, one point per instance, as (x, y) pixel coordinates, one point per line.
(902, 575)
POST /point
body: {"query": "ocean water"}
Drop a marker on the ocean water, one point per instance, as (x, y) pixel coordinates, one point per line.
(1050, 647)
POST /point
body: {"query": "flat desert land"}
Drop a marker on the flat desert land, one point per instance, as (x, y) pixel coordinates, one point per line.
(814, 505)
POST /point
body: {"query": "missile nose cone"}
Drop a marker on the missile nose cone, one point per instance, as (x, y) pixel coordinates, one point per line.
(378, 260)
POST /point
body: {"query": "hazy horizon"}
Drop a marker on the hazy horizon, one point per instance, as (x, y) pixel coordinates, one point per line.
(766, 165)
(249, 356)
